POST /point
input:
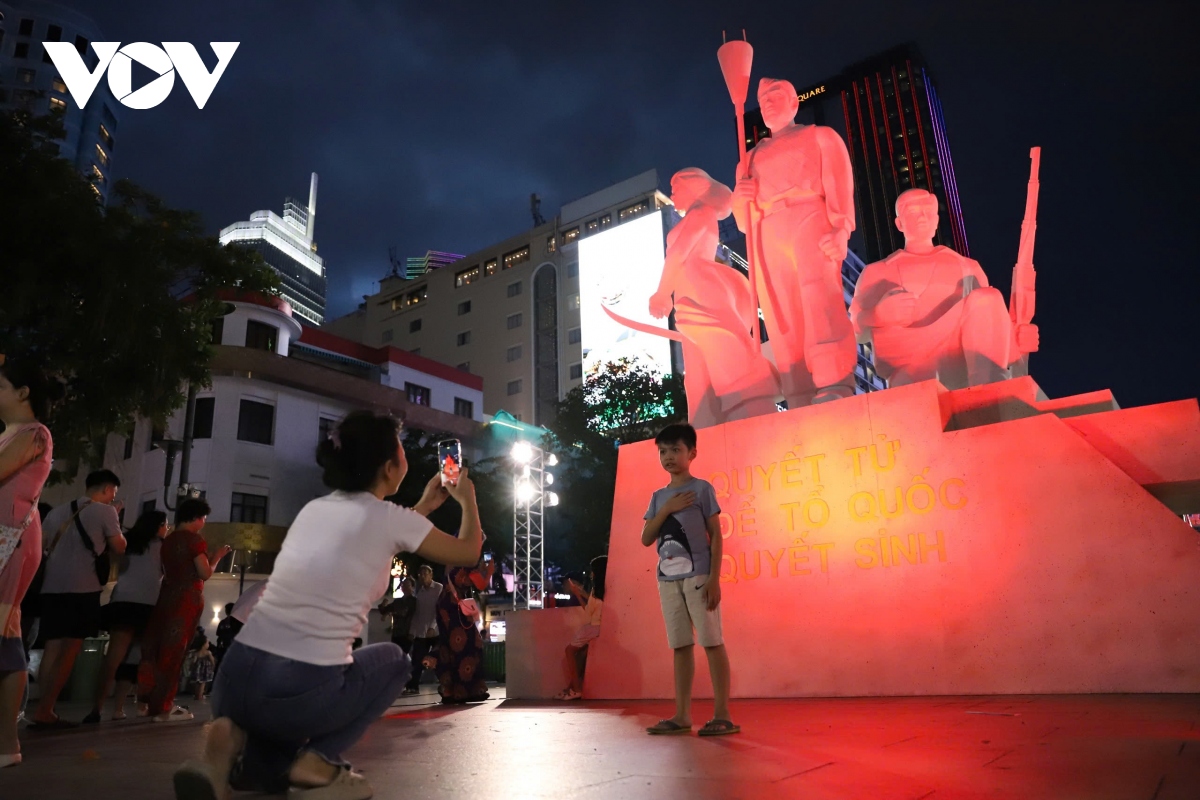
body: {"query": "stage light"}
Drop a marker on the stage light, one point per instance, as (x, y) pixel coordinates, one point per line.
(524, 491)
(549, 479)
(526, 472)
(522, 452)
(551, 499)
(551, 460)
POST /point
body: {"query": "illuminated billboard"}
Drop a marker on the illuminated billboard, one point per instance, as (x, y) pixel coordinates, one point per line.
(619, 269)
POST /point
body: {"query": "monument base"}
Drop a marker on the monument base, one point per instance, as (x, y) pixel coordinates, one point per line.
(923, 541)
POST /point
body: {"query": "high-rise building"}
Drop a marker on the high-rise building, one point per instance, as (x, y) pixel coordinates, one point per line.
(509, 312)
(888, 111)
(417, 266)
(286, 244)
(29, 81)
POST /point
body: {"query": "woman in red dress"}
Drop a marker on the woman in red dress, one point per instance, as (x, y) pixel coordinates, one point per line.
(186, 566)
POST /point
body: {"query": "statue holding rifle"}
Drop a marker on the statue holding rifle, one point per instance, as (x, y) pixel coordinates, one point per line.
(930, 313)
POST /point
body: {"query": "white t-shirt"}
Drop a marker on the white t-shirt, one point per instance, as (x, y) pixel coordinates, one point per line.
(336, 559)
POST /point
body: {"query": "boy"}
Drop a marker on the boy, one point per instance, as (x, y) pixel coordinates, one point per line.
(683, 521)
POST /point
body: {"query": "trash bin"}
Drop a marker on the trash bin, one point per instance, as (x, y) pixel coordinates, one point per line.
(81, 688)
(493, 661)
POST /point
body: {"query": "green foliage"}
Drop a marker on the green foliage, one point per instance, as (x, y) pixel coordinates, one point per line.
(622, 403)
(118, 301)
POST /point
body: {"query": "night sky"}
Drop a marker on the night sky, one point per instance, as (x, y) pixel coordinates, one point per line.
(431, 123)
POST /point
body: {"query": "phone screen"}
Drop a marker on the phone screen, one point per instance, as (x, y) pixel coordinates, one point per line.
(450, 459)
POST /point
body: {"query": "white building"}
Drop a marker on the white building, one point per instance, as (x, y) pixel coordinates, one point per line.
(286, 244)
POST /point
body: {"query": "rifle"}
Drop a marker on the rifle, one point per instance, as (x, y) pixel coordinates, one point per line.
(1022, 296)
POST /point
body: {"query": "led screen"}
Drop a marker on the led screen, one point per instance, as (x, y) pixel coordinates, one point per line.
(620, 268)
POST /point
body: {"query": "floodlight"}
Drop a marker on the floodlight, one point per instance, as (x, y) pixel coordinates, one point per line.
(522, 452)
(524, 491)
(547, 479)
(551, 499)
(551, 460)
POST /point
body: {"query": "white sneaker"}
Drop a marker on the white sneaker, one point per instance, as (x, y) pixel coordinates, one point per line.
(177, 714)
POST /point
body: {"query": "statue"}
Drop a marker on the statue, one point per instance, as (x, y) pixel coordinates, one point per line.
(726, 376)
(795, 202)
(930, 312)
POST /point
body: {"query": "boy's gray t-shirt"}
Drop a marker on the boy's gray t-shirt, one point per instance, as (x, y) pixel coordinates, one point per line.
(683, 548)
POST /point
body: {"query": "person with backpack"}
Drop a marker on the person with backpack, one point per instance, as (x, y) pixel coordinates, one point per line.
(81, 535)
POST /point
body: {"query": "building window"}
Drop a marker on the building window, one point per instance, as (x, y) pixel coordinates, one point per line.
(464, 307)
(416, 296)
(58, 86)
(97, 175)
(465, 366)
(576, 371)
(519, 256)
(514, 289)
(417, 395)
(573, 269)
(46, 59)
(606, 221)
(573, 302)
(148, 506)
(571, 235)
(514, 387)
(593, 225)
(514, 321)
(463, 338)
(21, 50)
(105, 136)
(157, 434)
(414, 326)
(256, 422)
(218, 330)
(54, 33)
(81, 44)
(128, 448)
(489, 267)
(387, 335)
(250, 508)
(550, 245)
(466, 277)
(25, 28)
(261, 336)
(513, 353)
(58, 104)
(464, 408)
(25, 75)
(632, 211)
(325, 428)
(100, 154)
(574, 336)
(202, 424)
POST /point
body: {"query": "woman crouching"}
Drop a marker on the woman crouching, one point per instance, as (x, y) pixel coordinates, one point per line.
(291, 695)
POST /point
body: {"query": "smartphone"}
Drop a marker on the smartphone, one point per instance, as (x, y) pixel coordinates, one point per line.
(450, 459)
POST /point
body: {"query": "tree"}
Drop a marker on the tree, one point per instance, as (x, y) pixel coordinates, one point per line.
(118, 301)
(621, 403)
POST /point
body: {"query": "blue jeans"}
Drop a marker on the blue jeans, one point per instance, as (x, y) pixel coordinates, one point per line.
(286, 706)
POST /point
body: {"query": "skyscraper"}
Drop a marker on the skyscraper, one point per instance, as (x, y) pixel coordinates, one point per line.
(416, 266)
(30, 82)
(888, 111)
(286, 244)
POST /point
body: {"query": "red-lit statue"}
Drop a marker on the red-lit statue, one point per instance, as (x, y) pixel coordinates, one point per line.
(726, 377)
(930, 312)
(795, 201)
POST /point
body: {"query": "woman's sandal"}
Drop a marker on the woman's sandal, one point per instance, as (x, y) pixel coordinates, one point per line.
(719, 727)
(668, 727)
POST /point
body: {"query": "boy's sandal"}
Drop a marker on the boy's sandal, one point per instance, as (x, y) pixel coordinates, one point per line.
(719, 727)
(668, 727)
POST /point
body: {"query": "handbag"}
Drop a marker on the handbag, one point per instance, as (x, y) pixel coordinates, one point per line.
(469, 608)
(10, 536)
(103, 563)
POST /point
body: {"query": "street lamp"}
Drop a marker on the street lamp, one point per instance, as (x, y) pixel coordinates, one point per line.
(530, 499)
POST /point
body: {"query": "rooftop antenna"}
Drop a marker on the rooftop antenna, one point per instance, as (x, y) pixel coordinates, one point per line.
(397, 265)
(312, 207)
(535, 208)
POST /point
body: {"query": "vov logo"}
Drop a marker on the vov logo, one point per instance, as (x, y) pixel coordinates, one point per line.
(172, 57)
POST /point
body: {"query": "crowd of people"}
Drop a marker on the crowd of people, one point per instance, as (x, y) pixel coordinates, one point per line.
(292, 689)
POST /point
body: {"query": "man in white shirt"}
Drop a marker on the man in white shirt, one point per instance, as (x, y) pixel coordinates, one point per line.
(71, 590)
(424, 628)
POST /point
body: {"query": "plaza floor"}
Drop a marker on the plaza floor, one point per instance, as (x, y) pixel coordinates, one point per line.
(1124, 747)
